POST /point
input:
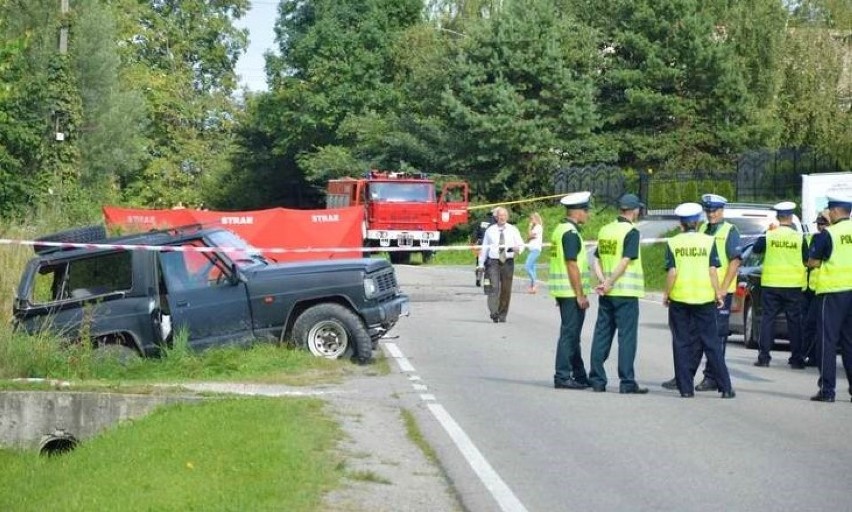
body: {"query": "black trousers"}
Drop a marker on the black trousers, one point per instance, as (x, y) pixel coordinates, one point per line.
(834, 330)
(723, 327)
(775, 300)
(691, 325)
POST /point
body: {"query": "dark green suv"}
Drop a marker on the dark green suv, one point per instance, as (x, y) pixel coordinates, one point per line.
(134, 293)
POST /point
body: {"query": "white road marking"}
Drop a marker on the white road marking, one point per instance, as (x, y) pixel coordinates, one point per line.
(504, 496)
(495, 485)
(401, 360)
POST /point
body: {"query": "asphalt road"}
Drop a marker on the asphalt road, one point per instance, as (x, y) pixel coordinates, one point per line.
(546, 449)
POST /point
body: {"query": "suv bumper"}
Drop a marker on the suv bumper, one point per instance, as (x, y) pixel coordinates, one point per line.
(383, 316)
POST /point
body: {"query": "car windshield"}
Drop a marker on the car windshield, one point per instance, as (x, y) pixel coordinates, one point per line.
(750, 225)
(238, 250)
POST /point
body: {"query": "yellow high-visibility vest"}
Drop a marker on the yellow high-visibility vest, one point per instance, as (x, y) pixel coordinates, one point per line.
(558, 283)
(835, 274)
(721, 237)
(691, 252)
(610, 250)
(782, 262)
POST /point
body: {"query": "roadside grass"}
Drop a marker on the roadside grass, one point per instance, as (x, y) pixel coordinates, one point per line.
(412, 429)
(43, 356)
(221, 454)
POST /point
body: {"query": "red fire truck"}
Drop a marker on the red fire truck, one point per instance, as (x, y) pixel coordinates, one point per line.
(402, 210)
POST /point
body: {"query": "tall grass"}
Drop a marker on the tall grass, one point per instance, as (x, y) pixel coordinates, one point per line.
(221, 454)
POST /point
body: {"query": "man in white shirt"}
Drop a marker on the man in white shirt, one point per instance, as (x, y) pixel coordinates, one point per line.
(500, 244)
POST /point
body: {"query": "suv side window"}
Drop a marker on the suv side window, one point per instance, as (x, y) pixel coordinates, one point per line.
(192, 270)
(84, 277)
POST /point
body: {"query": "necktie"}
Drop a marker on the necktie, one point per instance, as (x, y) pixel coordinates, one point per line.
(501, 254)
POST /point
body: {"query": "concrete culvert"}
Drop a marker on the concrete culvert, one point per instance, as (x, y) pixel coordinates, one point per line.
(57, 443)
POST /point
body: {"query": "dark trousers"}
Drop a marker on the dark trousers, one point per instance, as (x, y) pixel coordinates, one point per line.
(569, 359)
(615, 314)
(501, 276)
(810, 312)
(834, 329)
(693, 324)
(773, 301)
(723, 327)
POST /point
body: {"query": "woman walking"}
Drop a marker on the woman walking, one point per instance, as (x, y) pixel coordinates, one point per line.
(535, 234)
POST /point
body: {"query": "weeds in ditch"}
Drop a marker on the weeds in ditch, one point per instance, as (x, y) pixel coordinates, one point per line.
(231, 454)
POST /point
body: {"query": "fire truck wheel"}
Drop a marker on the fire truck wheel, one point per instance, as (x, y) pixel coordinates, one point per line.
(427, 256)
(332, 331)
(401, 257)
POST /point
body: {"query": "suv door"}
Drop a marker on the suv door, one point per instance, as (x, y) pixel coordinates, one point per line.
(205, 299)
(90, 295)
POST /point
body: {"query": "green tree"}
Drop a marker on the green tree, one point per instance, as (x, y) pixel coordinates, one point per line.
(521, 98)
(672, 92)
(113, 134)
(335, 70)
(180, 56)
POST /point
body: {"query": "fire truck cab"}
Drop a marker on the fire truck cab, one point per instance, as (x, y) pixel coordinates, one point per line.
(402, 210)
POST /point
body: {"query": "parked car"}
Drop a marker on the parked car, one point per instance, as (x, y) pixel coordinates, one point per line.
(745, 307)
(752, 219)
(131, 297)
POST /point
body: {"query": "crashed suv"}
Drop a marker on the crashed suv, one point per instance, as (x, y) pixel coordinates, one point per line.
(135, 293)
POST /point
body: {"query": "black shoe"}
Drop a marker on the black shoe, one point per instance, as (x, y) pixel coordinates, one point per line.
(687, 395)
(819, 397)
(810, 362)
(707, 385)
(797, 365)
(761, 363)
(599, 389)
(501, 320)
(633, 391)
(670, 384)
(478, 283)
(494, 318)
(568, 384)
(583, 381)
(729, 394)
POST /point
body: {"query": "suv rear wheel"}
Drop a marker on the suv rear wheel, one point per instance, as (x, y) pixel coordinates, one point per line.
(332, 331)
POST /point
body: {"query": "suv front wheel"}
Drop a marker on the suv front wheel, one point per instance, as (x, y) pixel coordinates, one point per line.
(332, 331)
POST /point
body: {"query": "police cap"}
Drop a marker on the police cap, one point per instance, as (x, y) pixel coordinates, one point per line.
(713, 201)
(577, 200)
(839, 200)
(630, 202)
(688, 212)
(784, 208)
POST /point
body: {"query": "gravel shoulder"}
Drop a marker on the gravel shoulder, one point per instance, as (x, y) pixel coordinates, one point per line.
(386, 470)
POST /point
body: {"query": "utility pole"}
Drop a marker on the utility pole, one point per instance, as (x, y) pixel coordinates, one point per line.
(63, 50)
(63, 32)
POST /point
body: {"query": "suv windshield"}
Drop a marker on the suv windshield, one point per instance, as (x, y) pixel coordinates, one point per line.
(238, 250)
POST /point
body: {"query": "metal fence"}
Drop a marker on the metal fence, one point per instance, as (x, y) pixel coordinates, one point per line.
(606, 182)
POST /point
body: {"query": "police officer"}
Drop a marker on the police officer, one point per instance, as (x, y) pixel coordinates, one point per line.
(782, 280)
(727, 238)
(832, 254)
(618, 268)
(570, 285)
(811, 304)
(692, 294)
